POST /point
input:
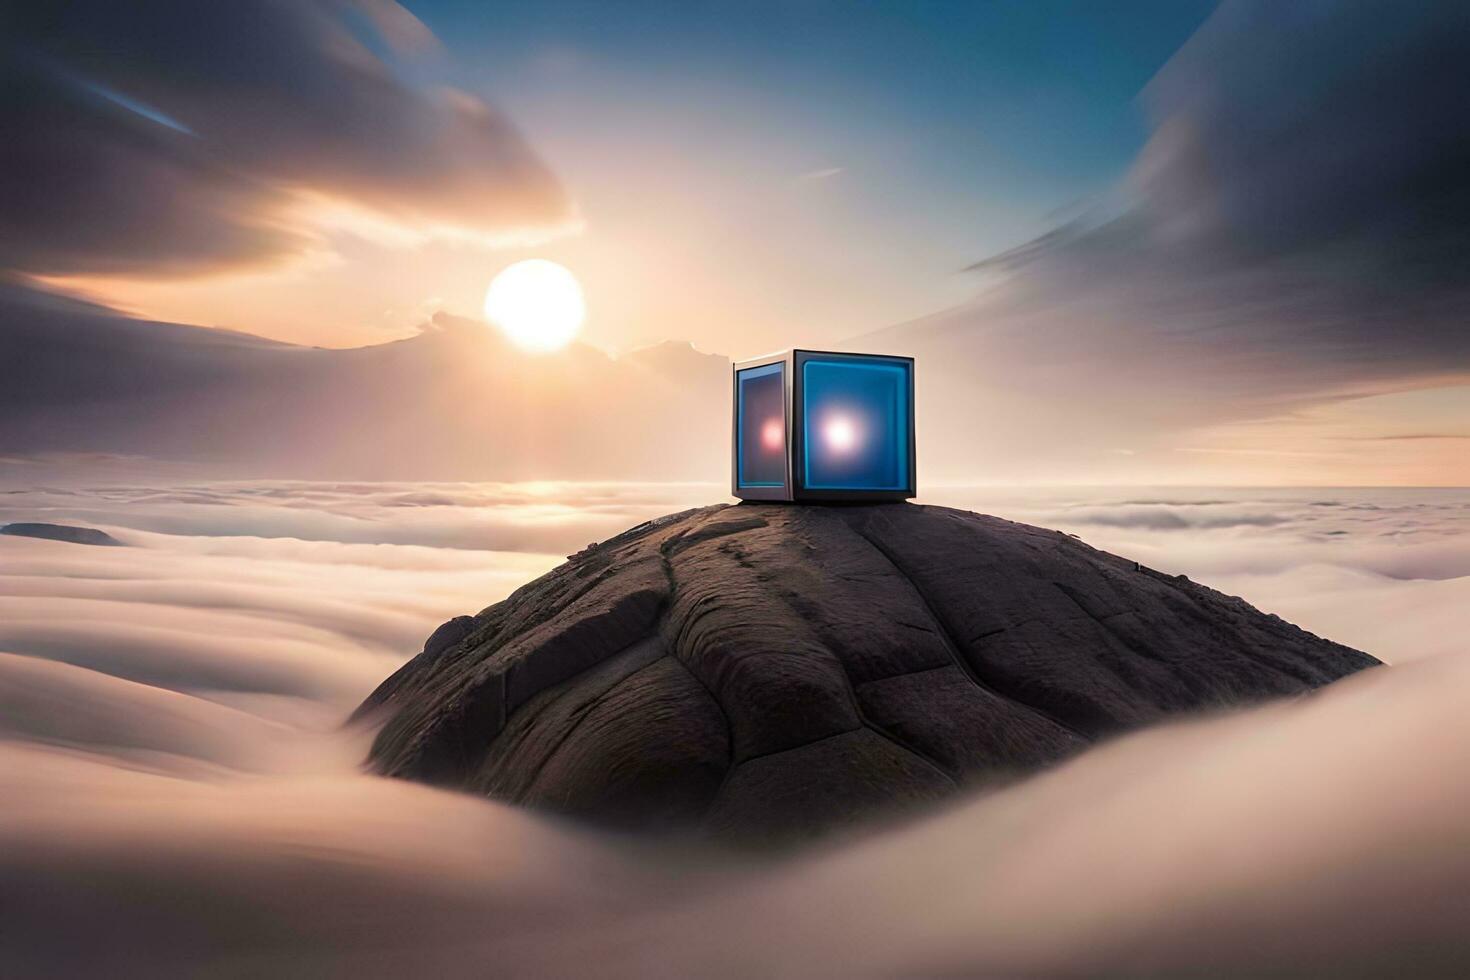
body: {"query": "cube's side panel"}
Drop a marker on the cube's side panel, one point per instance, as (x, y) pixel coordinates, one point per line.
(913, 488)
(760, 436)
(853, 430)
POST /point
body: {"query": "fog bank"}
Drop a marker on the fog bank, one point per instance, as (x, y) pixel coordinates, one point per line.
(176, 795)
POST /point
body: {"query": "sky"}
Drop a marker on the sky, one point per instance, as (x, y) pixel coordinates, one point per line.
(1142, 252)
(1163, 242)
(815, 171)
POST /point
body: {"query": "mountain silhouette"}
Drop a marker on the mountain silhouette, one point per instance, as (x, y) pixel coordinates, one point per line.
(455, 401)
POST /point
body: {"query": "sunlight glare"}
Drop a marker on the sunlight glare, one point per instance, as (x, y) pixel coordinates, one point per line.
(537, 304)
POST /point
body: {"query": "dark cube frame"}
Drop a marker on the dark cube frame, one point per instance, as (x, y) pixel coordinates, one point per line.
(793, 487)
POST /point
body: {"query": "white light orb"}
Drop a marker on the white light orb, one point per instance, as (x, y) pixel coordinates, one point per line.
(840, 434)
(537, 304)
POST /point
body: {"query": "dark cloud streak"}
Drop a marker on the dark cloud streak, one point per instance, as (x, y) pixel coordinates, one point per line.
(174, 138)
(1296, 230)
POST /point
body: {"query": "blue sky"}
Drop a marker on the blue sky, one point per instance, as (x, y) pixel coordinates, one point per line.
(1040, 94)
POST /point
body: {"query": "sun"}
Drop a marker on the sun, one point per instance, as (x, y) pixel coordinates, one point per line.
(537, 304)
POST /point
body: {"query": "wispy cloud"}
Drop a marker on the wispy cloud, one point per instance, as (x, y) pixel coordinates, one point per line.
(141, 148)
(1409, 436)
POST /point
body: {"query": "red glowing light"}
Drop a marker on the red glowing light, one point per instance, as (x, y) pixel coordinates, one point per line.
(773, 435)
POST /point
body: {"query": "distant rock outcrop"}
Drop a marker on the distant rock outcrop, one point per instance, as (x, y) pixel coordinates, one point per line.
(763, 673)
(62, 532)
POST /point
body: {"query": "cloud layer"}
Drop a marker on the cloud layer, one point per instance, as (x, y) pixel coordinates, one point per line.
(174, 138)
(173, 777)
(1322, 837)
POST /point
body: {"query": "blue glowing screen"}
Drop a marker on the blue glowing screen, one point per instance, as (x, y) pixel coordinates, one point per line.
(760, 419)
(855, 423)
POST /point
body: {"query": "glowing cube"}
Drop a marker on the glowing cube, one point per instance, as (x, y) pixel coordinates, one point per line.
(815, 425)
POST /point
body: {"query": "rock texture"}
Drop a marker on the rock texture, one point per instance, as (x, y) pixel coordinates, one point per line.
(761, 673)
(62, 532)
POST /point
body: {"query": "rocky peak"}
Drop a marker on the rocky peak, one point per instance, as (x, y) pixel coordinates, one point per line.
(760, 673)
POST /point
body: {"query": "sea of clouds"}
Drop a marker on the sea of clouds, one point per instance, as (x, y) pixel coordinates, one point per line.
(177, 794)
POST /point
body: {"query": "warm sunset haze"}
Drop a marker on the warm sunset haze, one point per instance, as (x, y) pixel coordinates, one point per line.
(372, 598)
(1261, 318)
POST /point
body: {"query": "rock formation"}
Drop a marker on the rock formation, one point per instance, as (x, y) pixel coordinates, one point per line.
(61, 532)
(762, 673)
